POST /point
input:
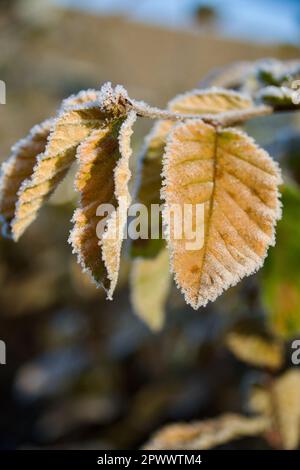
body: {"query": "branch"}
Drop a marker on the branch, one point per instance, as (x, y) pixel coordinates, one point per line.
(227, 118)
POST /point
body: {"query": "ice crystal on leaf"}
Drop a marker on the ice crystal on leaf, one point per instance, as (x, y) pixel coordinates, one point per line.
(199, 160)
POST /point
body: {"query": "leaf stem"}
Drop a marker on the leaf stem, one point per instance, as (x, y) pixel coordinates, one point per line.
(226, 118)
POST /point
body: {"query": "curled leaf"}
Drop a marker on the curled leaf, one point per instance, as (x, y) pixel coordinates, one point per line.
(150, 283)
(207, 434)
(102, 178)
(236, 183)
(20, 166)
(77, 118)
(97, 156)
(69, 129)
(116, 225)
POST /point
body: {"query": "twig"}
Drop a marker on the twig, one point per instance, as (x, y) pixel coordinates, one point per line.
(227, 118)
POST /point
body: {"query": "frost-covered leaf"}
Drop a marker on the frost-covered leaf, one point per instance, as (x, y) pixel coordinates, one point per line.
(76, 120)
(98, 156)
(211, 101)
(82, 97)
(237, 183)
(281, 274)
(102, 178)
(69, 129)
(256, 349)
(279, 97)
(111, 244)
(18, 168)
(275, 73)
(150, 284)
(207, 434)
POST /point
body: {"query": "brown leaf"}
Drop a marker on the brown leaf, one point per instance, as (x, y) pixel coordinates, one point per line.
(69, 129)
(102, 178)
(113, 237)
(76, 120)
(25, 154)
(211, 101)
(236, 183)
(18, 168)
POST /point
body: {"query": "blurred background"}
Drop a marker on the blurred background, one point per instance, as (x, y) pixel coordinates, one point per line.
(83, 372)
